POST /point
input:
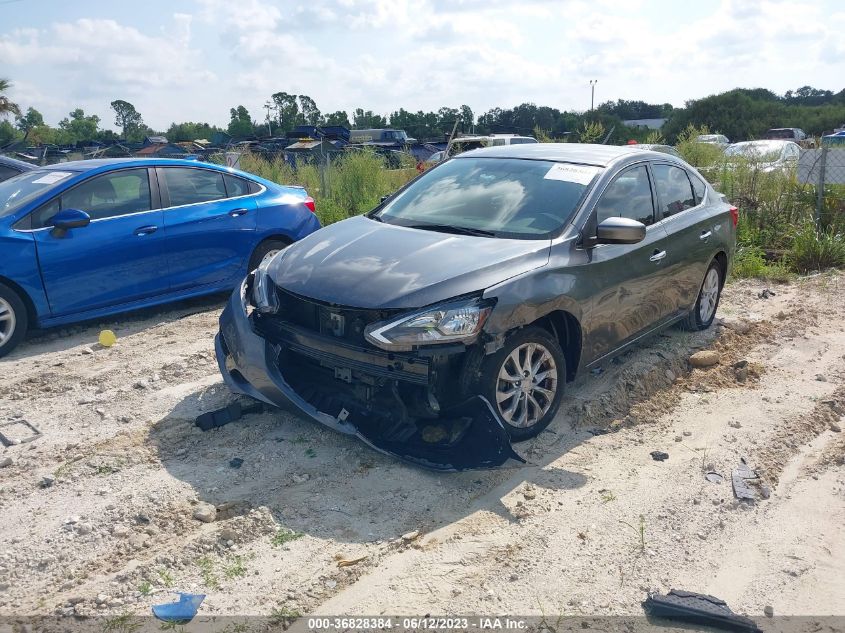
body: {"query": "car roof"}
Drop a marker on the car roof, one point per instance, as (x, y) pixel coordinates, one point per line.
(766, 141)
(587, 154)
(105, 163)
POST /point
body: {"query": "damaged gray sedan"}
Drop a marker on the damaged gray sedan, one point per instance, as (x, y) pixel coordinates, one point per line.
(446, 323)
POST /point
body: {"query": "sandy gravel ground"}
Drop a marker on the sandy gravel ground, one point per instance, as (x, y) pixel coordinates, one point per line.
(98, 515)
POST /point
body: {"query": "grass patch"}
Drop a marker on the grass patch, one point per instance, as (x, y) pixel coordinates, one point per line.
(165, 577)
(640, 531)
(814, 249)
(145, 588)
(209, 577)
(235, 567)
(310, 452)
(284, 536)
(284, 616)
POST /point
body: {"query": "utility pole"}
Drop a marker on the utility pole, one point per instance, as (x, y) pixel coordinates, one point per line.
(593, 83)
(269, 106)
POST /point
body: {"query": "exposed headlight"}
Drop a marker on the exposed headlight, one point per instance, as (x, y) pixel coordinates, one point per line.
(264, 296)
(447, 323)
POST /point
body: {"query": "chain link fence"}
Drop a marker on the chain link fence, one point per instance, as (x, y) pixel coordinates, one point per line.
(824, 168)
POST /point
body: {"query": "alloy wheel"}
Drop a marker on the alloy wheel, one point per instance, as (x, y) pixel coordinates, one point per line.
(709, 295)
(269, 255)
(526, 385)
(7, 321)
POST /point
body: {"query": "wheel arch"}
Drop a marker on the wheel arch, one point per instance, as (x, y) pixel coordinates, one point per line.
(722, 258)
(567, 330)
(29, 304)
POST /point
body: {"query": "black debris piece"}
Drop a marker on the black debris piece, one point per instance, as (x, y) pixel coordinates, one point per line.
(236, 462)
(698, 609)
(765, 294)
(221, 417)
(659, 456)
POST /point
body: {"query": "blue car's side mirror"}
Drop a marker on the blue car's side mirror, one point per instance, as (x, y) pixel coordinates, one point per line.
(70, 219)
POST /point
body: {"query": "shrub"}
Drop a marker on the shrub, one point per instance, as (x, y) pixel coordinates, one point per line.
(814, 249)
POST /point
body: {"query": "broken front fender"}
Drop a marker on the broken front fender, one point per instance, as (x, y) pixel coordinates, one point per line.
(468, 436)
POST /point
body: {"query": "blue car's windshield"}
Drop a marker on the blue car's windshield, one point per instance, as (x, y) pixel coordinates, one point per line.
(17, 191)
(500, 197)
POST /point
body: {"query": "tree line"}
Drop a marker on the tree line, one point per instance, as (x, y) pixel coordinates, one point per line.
(739, 114)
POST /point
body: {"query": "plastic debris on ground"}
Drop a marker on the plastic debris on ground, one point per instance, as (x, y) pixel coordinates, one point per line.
(747, 484)
(221, 417)
(181, 611)
(714, 477)
(107, 338)
(659, 456)
(697, 608)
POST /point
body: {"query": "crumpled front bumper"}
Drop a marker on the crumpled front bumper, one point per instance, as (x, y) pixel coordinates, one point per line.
(249, 365)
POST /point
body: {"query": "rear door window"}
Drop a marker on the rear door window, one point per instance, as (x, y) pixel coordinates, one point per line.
(698, 188)
(187, 185)
(628, 196)
(674, 190)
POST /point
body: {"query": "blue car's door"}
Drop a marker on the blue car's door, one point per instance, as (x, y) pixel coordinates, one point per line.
(209, 225)
(119, 257)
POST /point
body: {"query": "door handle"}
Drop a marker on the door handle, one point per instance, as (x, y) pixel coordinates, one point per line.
(705, 235)
(237, 212)
(146, 230)
(657, 256)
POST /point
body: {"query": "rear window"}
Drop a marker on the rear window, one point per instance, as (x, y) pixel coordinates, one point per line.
(517, 198)
(24, 188)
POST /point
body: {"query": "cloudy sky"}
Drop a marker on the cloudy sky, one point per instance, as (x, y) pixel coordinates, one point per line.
(180, 60)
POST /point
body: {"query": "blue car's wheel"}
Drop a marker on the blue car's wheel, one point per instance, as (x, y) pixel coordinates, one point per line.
(266, 249)
(13, 319)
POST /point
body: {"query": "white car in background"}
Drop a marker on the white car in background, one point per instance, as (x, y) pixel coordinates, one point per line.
(463, 144)
(713, 139)
(767, 155)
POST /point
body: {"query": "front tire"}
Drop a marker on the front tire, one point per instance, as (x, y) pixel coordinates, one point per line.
(702, 315)
(524, 381)
(13, 320)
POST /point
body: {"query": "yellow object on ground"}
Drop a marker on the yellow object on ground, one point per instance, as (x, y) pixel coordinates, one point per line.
(107, 338)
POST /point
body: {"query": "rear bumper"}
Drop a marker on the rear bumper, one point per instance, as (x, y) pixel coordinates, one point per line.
(249, 364)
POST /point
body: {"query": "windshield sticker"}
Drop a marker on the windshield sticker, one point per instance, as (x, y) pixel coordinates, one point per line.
(51, 178)
(582, 174)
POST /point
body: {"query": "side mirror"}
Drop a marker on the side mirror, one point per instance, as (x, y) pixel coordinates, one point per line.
(70, 219)
(620, 231)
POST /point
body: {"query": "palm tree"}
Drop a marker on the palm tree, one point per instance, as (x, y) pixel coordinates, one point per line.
(6, 105)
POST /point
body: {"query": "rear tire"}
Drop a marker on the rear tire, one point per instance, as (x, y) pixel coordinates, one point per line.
(524, 381)
(14, 319)
(704, 311)
(267, 248)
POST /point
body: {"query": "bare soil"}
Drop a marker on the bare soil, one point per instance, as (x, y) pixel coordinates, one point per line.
(97, 515)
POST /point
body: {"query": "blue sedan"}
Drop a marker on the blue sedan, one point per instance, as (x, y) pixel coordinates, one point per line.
(87, 239)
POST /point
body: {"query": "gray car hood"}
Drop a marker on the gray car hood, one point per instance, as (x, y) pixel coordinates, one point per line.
(363, 263)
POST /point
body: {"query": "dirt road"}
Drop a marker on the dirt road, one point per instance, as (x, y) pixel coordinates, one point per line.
(98, 515)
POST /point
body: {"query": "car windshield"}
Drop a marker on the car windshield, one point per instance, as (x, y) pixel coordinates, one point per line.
(756, 150)
(502, 197)
(17, 191)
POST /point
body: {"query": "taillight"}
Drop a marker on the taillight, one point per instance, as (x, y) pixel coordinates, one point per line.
(735, 216)
(309, 202)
